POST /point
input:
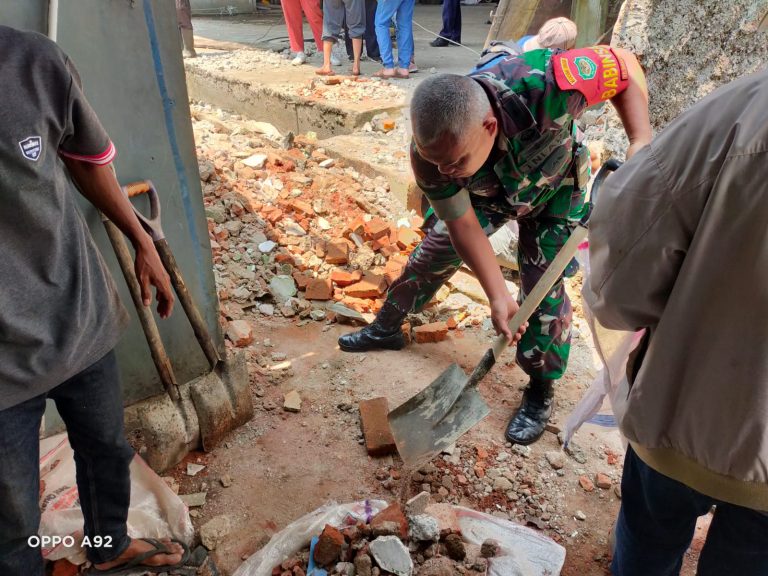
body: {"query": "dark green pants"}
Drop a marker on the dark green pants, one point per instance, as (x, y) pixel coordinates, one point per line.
(543, 351)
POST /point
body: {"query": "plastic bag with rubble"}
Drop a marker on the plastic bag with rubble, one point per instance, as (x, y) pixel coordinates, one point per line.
(525, 551)
(297, 534)
(155, 511)
(613, 348)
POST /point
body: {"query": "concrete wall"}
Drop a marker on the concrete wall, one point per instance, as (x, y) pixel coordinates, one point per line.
(129, 58)
(200, 7)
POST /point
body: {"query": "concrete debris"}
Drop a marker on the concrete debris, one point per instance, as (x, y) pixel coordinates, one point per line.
(193, 500)
(282, 287)
(556, 459)
(292, 402)
(417, 505)
(424, 527)
(215, 531)
(194, 469)
(392, 555)
(239, 333)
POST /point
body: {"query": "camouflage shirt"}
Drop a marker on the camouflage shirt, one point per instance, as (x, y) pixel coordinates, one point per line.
(526, 168)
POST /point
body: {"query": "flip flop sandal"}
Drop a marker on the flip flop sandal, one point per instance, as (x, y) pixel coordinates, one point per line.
(135, 566)
(402, 73)
(320, 72)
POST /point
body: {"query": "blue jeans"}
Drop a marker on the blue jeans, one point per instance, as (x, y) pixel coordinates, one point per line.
(91, 406)
(657, 521)
(402, 10)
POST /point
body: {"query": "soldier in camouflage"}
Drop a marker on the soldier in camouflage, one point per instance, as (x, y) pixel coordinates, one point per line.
(500, 144)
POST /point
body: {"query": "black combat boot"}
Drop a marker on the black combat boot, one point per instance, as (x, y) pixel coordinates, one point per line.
(384, 333)
(530, 420)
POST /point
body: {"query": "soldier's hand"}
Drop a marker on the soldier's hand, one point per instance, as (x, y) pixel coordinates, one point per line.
(502, 311)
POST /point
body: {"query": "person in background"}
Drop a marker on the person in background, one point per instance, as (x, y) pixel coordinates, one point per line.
(292, 10)
(679, 247)
(184, 19)
(554, 33)
(370, 40)
(335, 13)
(402, 12)
(451, 25)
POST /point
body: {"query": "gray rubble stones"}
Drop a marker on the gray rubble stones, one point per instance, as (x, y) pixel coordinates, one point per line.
(267, 246)
(424, 528)
(417, 504)
(215, 531)
(556, 459)
(391, 555)
(282, 287)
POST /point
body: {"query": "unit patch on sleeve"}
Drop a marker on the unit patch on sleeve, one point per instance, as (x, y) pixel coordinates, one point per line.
(597, 72)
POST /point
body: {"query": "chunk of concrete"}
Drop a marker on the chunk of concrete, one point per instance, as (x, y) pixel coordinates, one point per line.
(392, 556)
(216, 530)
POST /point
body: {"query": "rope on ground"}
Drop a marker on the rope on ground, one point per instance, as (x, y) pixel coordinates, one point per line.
(436, 35)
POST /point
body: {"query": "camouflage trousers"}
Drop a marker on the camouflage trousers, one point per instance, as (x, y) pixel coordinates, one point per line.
(543, 351)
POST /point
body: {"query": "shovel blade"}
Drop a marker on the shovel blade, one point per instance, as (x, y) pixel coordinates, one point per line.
(436, 417)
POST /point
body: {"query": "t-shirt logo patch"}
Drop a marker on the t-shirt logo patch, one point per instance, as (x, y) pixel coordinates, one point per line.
(587, 69)
(31, 147)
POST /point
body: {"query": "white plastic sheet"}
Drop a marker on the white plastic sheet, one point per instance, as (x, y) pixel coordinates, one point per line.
(525, 552)
(155, 511)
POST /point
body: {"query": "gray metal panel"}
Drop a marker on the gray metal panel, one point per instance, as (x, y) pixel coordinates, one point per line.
(25, 14)
(128, 54)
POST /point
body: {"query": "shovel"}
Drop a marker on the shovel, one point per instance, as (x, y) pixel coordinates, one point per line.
(432, 420)
(211, 405)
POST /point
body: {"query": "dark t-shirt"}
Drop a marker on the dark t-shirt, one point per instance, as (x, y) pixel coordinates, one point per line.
(59, 310)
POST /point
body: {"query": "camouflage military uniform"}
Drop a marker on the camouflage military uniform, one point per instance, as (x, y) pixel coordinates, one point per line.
(532, 178)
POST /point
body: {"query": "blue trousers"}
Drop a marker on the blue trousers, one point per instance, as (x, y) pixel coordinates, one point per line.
(657, 521)
(402, 11)
(91, 406)
(451, 20)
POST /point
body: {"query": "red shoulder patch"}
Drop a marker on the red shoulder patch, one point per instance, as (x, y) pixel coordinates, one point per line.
(597, 72)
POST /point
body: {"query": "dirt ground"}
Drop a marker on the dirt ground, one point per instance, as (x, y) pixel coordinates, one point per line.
(284, 465)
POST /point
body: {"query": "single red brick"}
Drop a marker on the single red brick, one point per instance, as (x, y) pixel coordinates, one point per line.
(376, 228)
(378, 435)
(343, 278)
(337, 252)
(434, 332)
(586, 483)
(319, 289)
(359, 304)
(371, 286)
(392, 513)
(329, 546)
(392, 271)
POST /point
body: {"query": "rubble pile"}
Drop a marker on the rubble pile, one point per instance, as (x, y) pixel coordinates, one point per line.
(296, 234)
(351, 89)
(423, 539)
(243, 59)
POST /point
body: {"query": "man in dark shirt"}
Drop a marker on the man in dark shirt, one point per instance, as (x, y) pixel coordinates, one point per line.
(60, 315)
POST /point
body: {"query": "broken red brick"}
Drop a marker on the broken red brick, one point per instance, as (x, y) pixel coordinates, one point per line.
(381, 242)
(337, 252)
(320, 248)
(359, 304)
(479, 471)
(392, 271)
(319, 289)
(482, 453)
(434, 332)
(407, 238)
(329, 546)
(302, 207)
(388, 125)
(371, 286)
(392, 513)
(274, 216)
(239, 333)
(451, 323)
(378, 435)
(375, 229)
(586, 483)
(282, 257)
(301, 280)
(603, 481)
(389, 251)
(343, 278)
(357, 226)
(65, 568)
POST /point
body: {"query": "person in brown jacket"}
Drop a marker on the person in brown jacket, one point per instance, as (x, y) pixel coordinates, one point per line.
(679, 247)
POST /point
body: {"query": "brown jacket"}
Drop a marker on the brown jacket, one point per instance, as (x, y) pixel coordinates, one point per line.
(679, 245)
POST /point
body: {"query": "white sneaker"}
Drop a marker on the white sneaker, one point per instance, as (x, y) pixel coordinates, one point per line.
(300, 59)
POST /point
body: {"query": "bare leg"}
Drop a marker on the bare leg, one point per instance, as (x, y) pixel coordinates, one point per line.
(357, 51)
(326, 69)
